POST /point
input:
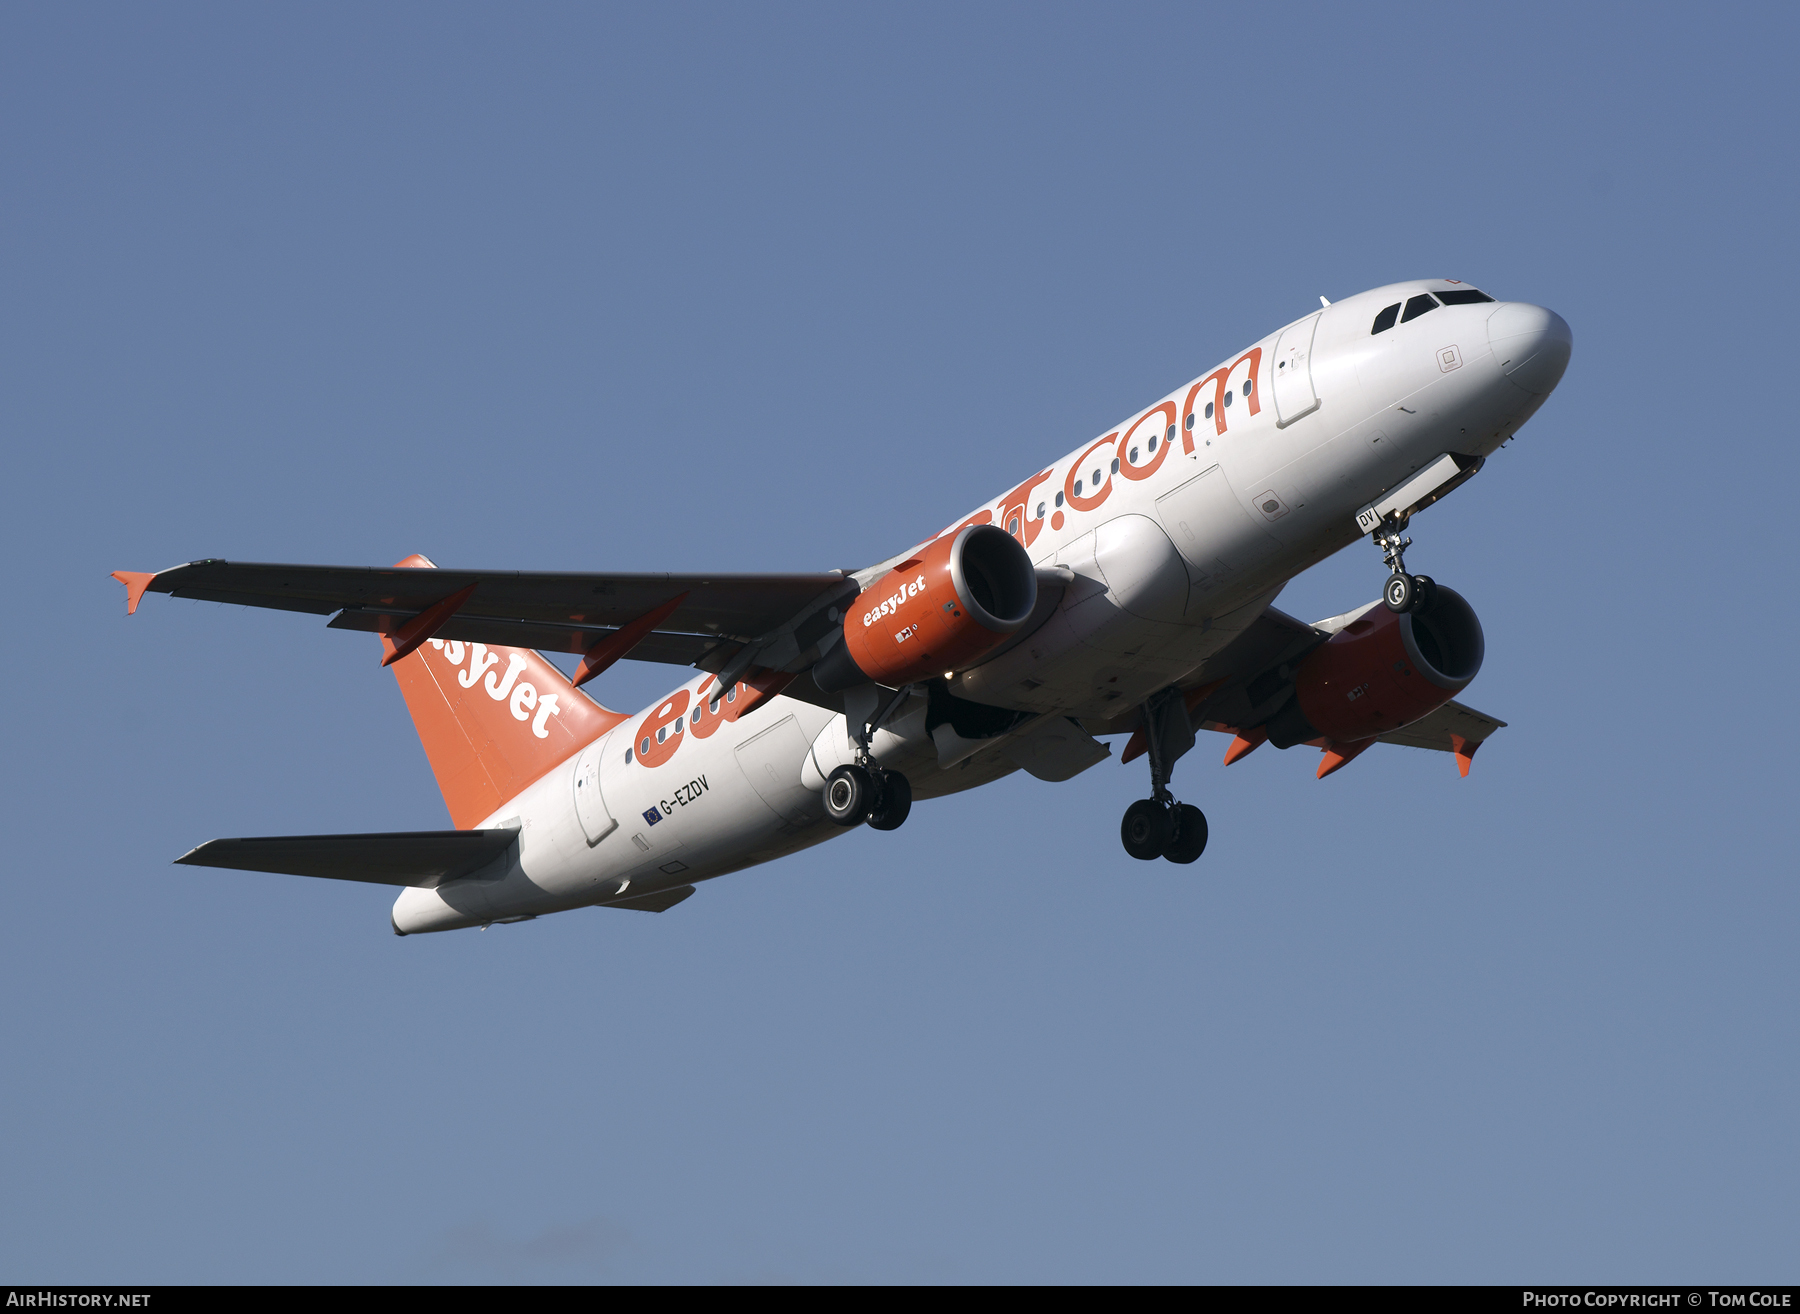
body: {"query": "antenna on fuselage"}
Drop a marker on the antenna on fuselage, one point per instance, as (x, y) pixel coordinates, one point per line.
(1323, 302)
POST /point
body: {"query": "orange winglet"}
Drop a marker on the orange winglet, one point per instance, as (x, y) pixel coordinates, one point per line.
(622, 640)
(135, 582)
(1465, 753)
(1246, 743)
(1342, 755)
(421, 627)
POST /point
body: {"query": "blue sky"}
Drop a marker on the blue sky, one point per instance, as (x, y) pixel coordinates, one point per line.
(776, 287)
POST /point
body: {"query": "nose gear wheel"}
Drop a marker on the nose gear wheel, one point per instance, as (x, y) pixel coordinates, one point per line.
(1403, 592)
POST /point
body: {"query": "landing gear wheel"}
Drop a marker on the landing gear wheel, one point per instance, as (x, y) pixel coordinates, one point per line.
(1189, 838)
(1401, 593)
(848, 794)
(1426, 587)
(896, 801)
(1145, 829)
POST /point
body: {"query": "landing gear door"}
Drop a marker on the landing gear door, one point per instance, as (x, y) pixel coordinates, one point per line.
(590, 805)
(1292, 372)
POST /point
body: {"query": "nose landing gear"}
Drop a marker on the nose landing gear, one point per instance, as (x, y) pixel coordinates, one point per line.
(1158, 826)
(1403, 592)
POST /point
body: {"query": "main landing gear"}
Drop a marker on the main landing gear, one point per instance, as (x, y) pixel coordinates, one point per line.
(1163, 828)
(1403, 592)
(861, 791)
(1158, 826)
(854, 794)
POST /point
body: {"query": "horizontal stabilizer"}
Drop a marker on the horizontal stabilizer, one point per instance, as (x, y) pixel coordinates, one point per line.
(425, 858)
(661, 901)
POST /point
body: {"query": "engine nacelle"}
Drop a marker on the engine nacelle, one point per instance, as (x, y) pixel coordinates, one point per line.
(1380, 672)
(941, 610)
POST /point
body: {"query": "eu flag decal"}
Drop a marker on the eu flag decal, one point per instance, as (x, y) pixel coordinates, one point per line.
(652, 815)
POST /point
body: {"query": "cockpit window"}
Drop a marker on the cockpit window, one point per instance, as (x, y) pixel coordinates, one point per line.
(1385, 320)
(1417, 306)
(1463, 296)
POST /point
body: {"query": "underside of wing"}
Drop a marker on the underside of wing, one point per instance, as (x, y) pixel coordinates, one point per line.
(1453, 728)
(707, 621)
(568, 603)
(1251, 680)
(425, 858)
(1247, 680)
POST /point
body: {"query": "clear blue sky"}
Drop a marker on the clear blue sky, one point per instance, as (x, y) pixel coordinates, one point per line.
(775, 287)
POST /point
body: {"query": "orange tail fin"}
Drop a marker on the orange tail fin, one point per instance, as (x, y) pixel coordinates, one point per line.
(492, 720)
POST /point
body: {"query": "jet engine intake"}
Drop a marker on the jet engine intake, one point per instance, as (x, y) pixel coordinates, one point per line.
(1380, 672)
(941, 610)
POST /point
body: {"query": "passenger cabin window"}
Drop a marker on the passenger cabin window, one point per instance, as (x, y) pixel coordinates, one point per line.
(1463, 296)
(1386, 319)
(1417, 306)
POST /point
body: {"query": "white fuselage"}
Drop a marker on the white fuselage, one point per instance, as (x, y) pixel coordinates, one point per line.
(1176, 530)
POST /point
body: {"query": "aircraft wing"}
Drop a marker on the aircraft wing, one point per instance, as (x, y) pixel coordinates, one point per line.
(549, 611)
(1453, 728)
(1251, 677)
(425, 858)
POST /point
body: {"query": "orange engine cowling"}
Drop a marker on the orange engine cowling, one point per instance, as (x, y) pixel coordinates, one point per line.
(1380, 672)
(942, 609)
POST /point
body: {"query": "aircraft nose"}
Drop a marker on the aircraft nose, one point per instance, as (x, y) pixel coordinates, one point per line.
(1532, 345)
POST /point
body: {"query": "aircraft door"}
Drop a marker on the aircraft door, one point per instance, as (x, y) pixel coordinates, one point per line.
(590, 805)
(1292, 372)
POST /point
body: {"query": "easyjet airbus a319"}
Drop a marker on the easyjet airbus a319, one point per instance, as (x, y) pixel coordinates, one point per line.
(1124, 589)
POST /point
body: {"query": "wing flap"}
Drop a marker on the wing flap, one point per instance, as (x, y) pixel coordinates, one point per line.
(425, 858)
(674, 649)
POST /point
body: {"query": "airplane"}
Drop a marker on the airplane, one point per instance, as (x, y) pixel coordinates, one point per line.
(1124, 589)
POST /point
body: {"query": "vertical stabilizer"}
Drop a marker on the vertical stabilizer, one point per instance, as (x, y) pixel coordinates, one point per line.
(492, 720)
